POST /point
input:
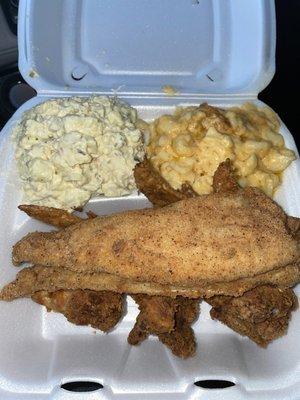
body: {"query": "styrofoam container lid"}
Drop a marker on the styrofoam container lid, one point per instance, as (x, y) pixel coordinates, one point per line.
(198, 46)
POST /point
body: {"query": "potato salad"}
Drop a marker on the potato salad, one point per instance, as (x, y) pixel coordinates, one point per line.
(71, 149)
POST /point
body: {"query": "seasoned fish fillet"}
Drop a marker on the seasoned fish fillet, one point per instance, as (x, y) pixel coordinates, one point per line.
(78, 292)
(100, 310)
(262, 313)
(213, 238)
(33, 279)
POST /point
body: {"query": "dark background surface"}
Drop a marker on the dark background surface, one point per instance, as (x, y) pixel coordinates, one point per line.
(281, 94)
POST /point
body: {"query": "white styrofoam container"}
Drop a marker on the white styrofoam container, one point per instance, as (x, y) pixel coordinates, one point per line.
(210, 50)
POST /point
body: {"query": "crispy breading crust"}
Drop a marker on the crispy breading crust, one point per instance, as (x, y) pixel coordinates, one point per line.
(220, 237)
(224, 180)
(156, 188)
(169, 319)
(32, 279)
(53, 216)
(181, 340)
(101, 310)
(262, 313)
(49, 215)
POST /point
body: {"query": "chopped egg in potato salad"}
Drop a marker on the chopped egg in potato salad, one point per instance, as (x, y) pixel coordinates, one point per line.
(189, 145)
(71, 149)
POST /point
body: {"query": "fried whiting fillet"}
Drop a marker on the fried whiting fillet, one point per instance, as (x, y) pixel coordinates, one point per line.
(262, 313)
(214, 233)
(213, 238)
(286, 276)
(169, 319)
(101, 310)
(32, 279)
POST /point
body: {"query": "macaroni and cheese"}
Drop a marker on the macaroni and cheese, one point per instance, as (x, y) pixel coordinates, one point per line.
(189, 145)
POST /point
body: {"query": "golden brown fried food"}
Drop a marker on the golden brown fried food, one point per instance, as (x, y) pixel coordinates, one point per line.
(224, 180)
(262, 313)
(49, 215)
(169, 319)
(213, 238)
(53, 216)
(156, 312)
(32, 279)
(101, 310)
(157, 315)
(252, 314)
(156, 188)
(293, 224)
(215, 118)
(181, 340)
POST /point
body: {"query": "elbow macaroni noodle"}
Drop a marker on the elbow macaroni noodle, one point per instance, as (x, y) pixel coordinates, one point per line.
(189, 145)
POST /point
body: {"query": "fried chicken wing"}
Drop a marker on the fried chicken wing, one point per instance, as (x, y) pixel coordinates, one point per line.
(262, 313)
(224, 180)
(156, 188)
(181, 340)
(156, 312)
(101, 310)
(169, 319)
